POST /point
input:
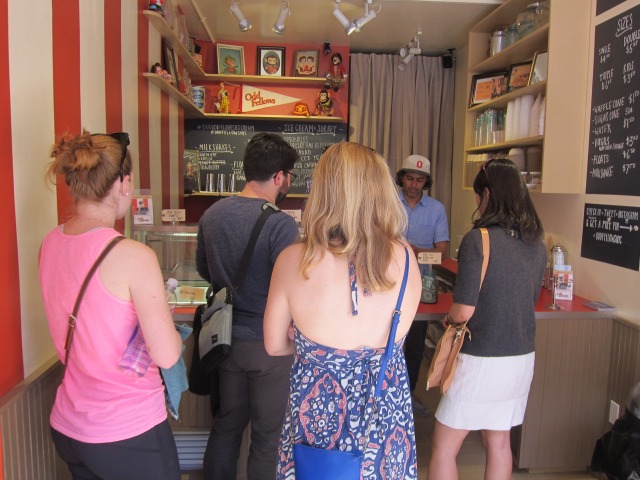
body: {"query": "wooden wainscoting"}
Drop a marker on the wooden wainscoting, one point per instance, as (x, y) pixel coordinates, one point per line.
(567, 408)
(624, 368)
(27, 448)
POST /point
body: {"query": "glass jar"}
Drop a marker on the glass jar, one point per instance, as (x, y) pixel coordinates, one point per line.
(527, 20)
(512, 35)
(497, 42)
(542, 11)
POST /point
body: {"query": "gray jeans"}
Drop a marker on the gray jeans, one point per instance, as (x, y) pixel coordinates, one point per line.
(254, 387)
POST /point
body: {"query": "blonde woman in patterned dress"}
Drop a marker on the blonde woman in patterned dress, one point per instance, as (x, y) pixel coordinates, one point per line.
(330, 302)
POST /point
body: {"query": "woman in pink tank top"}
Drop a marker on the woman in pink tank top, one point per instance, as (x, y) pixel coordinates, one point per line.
(106, 424)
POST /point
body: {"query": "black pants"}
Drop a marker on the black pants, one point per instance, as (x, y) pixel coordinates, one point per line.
(414, 351)
(254, 387)
(149, 456)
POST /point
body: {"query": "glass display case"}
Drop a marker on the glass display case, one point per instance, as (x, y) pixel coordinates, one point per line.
(175, 247)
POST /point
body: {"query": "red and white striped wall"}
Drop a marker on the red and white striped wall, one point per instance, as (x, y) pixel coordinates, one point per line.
(67, 65)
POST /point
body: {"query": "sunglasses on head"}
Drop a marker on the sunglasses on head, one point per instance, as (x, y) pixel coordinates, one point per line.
(123, 139)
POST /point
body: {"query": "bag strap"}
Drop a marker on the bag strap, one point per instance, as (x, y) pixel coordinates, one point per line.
(267, 209)
(74, 314)
(486, 249)
(388, 351)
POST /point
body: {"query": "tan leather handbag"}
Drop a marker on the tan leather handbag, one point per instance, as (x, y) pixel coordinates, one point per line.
(444, 362)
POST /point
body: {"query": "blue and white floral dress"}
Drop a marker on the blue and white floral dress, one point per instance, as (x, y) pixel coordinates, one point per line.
(331, 405)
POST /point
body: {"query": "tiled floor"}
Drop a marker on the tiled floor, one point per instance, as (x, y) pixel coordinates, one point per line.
(471, 458)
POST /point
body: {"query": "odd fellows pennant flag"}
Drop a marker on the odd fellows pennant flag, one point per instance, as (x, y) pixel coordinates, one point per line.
(254, 98)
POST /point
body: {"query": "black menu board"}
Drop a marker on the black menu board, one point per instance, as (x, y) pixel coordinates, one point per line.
(614, 141)
(221, 145)
(611, 234)
(604, 5)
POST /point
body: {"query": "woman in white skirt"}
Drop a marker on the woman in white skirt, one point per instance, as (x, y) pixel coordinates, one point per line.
(491, 384)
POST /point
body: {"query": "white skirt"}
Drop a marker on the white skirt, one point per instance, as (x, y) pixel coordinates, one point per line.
(487, 393)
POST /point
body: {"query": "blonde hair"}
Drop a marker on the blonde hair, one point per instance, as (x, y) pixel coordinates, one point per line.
(89, 163)
(354, 210)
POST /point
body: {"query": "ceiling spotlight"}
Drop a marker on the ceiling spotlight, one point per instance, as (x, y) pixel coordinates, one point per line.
(278, 27)
(367, 17)
(402, 65)
(243, 23)
(411, 50)
(348, 25)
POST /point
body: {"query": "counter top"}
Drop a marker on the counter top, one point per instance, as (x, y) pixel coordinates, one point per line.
(568, 308)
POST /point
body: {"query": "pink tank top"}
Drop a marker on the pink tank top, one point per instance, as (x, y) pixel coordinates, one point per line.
(96, 402)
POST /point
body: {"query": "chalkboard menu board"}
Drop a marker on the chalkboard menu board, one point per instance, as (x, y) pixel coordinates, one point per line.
(611, 234)
(604, 5)
(221, 145)
(614, 143)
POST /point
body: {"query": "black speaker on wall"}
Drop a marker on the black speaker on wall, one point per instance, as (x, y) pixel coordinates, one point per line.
(447, 61)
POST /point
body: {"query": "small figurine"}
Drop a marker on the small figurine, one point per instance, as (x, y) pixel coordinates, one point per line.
(223, 100)
(156, 5)
(158, 70)
(336, 76)
(324, 107)
(301, 109)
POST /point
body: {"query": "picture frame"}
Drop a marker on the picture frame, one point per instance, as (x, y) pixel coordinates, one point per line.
(170, 62)
(519, 74)
(305, 63)
(270, 61)
(142, 210)
(191, 171)
(540, 68)
(230, 59)
(487, 86)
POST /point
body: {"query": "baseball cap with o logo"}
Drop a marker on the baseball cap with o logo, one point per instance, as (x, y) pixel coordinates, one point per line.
(417, 163)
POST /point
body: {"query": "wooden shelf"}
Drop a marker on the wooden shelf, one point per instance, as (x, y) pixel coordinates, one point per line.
(519, 142)
(166, 32)
(191, 111)
(520, 51)
(264, 79)
(502, 101)
(274, 117)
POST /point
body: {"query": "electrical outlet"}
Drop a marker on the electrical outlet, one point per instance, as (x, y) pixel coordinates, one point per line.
(614, 412)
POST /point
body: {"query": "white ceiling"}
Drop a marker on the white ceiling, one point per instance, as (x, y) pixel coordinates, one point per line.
(444, 23)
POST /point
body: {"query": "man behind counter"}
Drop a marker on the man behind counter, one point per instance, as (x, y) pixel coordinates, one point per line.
(253, 385)
(428, 231)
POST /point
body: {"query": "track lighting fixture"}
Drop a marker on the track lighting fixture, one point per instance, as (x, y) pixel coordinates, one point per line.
(348, 25)
(278, 27)
(408, 52)
(243, 23)
(366, 18)
(355, 26)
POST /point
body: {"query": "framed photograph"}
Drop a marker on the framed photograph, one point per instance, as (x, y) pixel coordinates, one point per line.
(170, 62)
(539, 69)
(487, 86)
(230, 59)
(271, 61)
(519, 74)
(191, 171)
(305, 63)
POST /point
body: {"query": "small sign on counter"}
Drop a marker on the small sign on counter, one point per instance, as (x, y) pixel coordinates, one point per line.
(430, 258)
(177, 215)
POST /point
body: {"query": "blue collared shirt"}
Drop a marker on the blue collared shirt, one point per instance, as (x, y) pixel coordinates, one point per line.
(427, 222)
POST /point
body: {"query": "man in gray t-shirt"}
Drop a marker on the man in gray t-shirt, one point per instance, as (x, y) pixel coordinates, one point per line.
(253, 386)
